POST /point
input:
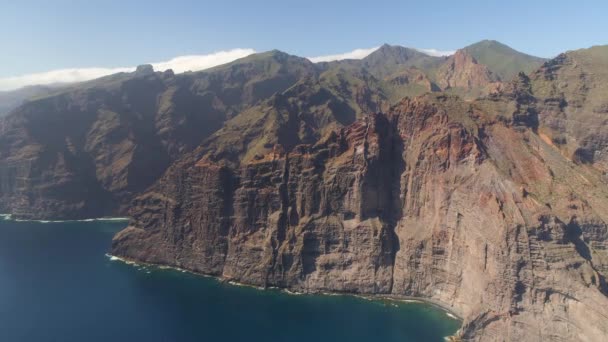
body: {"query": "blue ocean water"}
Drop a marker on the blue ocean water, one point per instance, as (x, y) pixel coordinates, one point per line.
(57, 284)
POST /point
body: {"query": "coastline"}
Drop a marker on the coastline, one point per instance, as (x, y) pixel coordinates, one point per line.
(9, 217)
(376, 297)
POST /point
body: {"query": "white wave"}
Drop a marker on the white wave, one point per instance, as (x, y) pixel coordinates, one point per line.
(410, 301)
(368, 298)
(235, 283)
(100, 219)
(451, 315)
(128, 262)
(293, 293)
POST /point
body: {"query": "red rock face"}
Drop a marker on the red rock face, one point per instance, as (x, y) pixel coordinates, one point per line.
(461, 70)
(436, 198)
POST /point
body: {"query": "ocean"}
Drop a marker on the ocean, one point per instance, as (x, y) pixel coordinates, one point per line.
(57, 283)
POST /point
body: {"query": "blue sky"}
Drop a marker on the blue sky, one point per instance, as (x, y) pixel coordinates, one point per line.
(39, 36)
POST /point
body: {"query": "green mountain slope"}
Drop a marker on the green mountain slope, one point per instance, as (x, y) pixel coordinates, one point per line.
(503, 60)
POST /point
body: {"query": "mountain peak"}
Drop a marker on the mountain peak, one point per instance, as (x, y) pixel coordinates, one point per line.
(462, 70)
(144, 69)
(394, 53)
(390, 59)
(463, 54)
(503, 60)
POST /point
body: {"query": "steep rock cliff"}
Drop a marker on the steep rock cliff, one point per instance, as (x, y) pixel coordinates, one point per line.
(86, 151)
(463, 75)
(462, 203)
(573, 104)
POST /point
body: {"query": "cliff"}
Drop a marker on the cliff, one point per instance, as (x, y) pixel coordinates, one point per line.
(461, 74)
(462, 203)
(89, 149)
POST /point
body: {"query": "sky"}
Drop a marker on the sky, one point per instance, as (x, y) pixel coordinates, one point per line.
(63, 40)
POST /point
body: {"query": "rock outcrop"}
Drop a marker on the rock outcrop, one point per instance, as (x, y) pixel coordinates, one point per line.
(461, 70)
(462, 203)
(573, 104)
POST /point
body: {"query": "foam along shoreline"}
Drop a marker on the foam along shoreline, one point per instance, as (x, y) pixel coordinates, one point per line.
(378, 297)
(9, 217)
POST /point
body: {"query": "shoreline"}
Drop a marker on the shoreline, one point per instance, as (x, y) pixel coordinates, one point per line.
(449, 312)
(389, 297)
(9, 217)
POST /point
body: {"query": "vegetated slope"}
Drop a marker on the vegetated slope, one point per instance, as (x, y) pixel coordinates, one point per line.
(502, 60)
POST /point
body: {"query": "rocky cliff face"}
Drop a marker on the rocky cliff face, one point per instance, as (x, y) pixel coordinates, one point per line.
(573, 105)
(462, 203)
(88, 150)
(462, 71)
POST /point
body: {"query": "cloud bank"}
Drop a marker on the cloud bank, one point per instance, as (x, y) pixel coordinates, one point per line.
(436, 53)
(355, 54)
(178, 64)
(201, 62)
(362, 53)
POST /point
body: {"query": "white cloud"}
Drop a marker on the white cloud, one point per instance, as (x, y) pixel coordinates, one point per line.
(57, 76)
(201, 62)
(362, 53)
(355, 54)
(178, 64)
(436, 53)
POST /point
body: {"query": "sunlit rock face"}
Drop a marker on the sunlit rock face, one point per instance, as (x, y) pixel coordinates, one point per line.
(459, 202)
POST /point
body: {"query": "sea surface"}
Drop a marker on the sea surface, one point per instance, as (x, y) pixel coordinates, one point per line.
(58, 284)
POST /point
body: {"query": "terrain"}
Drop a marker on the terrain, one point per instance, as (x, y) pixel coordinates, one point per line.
(479, 186)
(10, 100)
(85, 150)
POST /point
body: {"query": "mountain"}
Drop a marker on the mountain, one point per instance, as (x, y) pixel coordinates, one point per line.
(390, 59)
(465, 203)
(573, 105)
(86, 151)
(399, 174)
(455, 201)
(502, 60)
